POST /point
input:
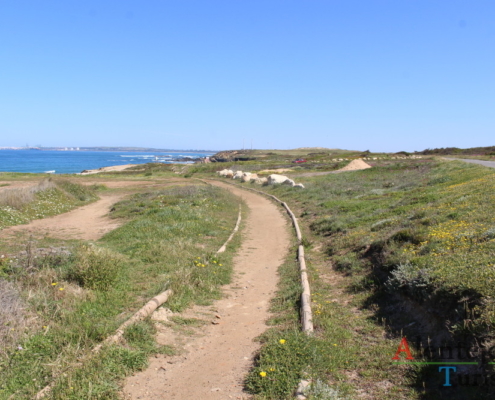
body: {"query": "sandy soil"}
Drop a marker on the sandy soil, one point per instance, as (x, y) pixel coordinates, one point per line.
(217, 360)
(107, 169)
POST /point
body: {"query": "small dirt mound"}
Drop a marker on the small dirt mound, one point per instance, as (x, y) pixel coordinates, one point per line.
(355, 165)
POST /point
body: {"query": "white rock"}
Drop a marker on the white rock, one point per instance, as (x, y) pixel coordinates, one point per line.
(246, 177)
(228, 173)
(253, 177)
(237, 175)
(275, 179)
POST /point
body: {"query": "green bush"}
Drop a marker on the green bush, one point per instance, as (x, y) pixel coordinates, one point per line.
(95, 267)
(80, 192)
(408, 236)
(414, 282)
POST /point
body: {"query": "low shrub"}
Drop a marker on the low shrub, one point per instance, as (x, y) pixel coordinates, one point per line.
(80, 192)
(414, 282)
(95, 267)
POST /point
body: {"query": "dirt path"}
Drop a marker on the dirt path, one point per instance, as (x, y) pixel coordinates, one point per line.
(217, 361)
(89, 222)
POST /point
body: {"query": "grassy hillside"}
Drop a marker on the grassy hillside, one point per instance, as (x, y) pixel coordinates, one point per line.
(406, 248)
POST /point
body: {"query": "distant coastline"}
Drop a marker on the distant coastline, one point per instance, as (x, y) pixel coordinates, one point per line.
(70, 162)
(105, 148)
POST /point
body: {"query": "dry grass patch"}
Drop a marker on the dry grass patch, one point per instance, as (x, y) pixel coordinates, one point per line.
(18, 197)
(13, 316)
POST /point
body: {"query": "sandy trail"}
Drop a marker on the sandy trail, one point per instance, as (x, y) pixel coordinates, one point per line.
(217, 361)
(89, 222)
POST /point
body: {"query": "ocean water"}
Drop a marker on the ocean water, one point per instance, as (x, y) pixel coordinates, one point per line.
(69, 162)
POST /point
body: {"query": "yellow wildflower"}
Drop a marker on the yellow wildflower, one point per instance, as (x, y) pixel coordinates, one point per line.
(262, 374)
(281, 341)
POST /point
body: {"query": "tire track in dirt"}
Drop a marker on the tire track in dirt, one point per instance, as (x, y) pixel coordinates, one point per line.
(216, 362)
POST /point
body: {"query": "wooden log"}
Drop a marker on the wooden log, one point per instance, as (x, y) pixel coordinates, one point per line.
(144, 312)
(236, 228)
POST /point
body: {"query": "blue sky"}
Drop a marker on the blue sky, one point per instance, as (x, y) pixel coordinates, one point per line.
(378, 75)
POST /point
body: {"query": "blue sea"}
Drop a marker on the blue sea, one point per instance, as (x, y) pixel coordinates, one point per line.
(69, 162)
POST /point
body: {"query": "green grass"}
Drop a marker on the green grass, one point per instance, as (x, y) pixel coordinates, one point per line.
(168, 240)
(405, 248)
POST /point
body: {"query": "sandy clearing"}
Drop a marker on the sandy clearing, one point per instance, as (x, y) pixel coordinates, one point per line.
(216, 362)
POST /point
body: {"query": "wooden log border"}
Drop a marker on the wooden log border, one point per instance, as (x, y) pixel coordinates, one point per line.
(306, 312)
(236, 228)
